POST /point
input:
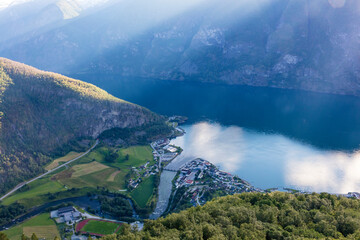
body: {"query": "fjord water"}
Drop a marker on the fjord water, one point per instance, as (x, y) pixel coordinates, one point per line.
(269, 137)
(271, 160)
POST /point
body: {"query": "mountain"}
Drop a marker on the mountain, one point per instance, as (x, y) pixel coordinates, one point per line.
(309, 45)
(43, 114)
(20, 20)
(258, 216)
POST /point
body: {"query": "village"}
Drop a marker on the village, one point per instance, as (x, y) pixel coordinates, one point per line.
(202, 178)
(163, 154)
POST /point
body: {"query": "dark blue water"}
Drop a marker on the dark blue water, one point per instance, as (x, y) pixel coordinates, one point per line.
(269, 137)
(323, 120)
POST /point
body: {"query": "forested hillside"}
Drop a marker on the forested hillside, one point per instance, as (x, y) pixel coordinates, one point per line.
(43, 114)
(276, 215)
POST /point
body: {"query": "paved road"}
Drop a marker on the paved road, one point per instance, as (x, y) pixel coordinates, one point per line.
(48, 172)
(152, 146)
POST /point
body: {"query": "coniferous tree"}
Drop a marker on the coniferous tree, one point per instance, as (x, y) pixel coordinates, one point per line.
(34, 237)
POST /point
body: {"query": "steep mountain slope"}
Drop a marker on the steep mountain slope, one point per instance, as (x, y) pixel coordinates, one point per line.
(310, 45)
(42, 112)
(258, 216)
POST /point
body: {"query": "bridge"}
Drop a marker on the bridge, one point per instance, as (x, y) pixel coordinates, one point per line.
(170, 169)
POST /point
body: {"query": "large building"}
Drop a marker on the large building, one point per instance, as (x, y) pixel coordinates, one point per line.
(66, 214)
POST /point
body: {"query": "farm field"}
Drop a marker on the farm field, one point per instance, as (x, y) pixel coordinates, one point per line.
(143, 193)
(42, 225)
(59, 161)
(98, 227)
(112, 177)
(138, 155)
(90, 172)
(95, 179)
(36, 188)
(88, 168)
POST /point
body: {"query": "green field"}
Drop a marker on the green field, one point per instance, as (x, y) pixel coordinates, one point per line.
(96, 179)
(97, 154)
(143, 193)
(90, 172)
(42, 225)
(100, 227)
(36, 188)
(138, 155)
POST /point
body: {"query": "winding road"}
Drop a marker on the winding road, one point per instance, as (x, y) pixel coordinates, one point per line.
(48, 172)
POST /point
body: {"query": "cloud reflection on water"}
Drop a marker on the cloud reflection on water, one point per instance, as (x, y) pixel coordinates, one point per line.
(219, 145)
(271, 160)
(334, 172)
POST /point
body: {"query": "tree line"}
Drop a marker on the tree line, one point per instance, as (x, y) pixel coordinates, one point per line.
(275, 215)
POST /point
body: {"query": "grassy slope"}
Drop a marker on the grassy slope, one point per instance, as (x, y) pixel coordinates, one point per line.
(35, 223)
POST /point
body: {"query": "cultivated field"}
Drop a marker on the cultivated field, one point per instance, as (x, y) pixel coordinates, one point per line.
(47, 232)
(112, 176)
(36, 188)
(85, 169)
(143, 193)
(66, 158)
(88, 173)
(42, 225)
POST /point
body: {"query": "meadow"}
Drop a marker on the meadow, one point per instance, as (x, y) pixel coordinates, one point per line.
(144, 192)
(42, 225)
(36, 188)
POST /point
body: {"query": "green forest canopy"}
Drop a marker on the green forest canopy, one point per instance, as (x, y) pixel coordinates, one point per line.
(276, 215)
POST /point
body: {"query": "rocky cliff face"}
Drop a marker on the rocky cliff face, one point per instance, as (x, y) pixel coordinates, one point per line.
(310, 45)
(41, 112)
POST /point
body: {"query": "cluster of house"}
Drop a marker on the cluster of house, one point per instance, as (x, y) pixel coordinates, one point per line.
(189, 172)
(67, 215)
(142, 172)
(200, 176)
(163, 152)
